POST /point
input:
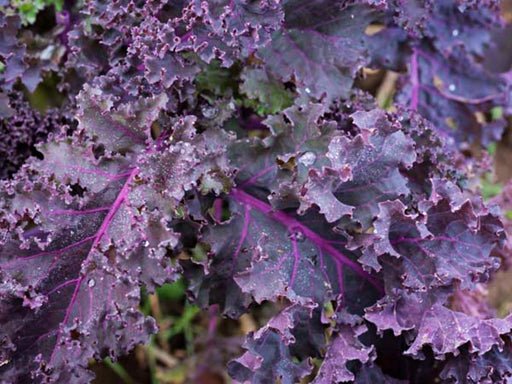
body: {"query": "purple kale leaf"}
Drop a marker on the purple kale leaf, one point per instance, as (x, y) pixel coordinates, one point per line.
(443, 44)
(269, 356)
(344, 347)
(372, 374)
(11, 50)
(492, 367)
(321, 46)
(228, 29)
(229, 142)
(418, 233)
(441, 251)
(363, 170)
(23, 127)
(82, 230)
(294, 257)
(455, 93)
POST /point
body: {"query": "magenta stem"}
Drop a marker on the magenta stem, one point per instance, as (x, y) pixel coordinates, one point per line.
(121, 197)
(293, 225)
(212, 322)
(415, 81)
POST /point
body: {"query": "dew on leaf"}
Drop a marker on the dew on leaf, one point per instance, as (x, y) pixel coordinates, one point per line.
(209, 112)
(307, 158)
(297, 235)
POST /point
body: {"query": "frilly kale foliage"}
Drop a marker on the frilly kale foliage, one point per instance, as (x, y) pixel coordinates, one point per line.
(239, 129)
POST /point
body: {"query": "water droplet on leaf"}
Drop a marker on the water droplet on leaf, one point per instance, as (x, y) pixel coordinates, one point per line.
(307, 158)
(452, 87)
(297, 235)
(209, 112)
(91, 283)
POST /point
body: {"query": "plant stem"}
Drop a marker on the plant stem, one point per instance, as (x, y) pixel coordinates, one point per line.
(120, 371)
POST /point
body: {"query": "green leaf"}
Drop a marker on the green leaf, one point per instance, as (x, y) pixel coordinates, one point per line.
(491, 148)
(264, 93)
(199, 254)
(183, 323)
(497, 113)
(489, 190)
(29, 9)
(217, 80)
(175, 291)
(145, 305)
(119, 370)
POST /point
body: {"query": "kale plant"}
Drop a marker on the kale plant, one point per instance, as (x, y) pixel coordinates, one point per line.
(236, 143)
